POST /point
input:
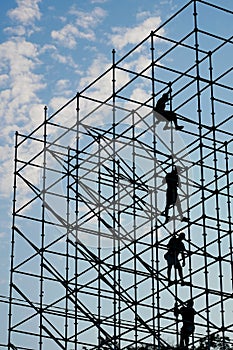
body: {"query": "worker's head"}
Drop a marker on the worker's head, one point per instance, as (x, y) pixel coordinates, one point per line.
(182, 235)
(190, 303)
(165, 95)
(176, 169)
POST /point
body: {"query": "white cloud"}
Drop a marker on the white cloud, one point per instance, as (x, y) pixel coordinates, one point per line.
(166, 2)
(18, 97)
(62, 84)
(53, 52)
(98, 1)
(19, 59)
(68, 35)
(139, 94)
(138, 64)
(57, 102)
(47, 47)
(63, 88)
(36, 115)
(4, 78)
(67, 60)
(18, 30)
(89, 19)
(124, 35)
(26, 13)
(82, 27)
(143, 14)
(6, 170)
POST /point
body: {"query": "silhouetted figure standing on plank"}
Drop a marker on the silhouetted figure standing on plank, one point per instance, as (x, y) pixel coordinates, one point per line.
(170, 116)
(187, 313)
(175, 248)
(172, 198)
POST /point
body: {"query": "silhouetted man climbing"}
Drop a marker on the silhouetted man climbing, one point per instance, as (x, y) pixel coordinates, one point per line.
(187, 313)
(172, 198)
(175, 248)
(170, 116)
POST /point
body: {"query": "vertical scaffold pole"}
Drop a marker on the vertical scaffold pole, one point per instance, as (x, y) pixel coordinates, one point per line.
(119, 253)
(215, 160)
(67, 248)
(114, 241)
(229, 209)
(12, 242)
(202, 180)
(155, 205)
(43, 230)
(99, 239)
(134, 231)
(189, 237)
(76, 225)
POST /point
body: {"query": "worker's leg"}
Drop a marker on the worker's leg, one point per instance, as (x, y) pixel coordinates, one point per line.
(186, 339)
(179, 209)
(166, 126)
(169, 269)
(178, 205)
(166, 213)
(182, 339)
(180, 272)
(172, 117)
(179, 268)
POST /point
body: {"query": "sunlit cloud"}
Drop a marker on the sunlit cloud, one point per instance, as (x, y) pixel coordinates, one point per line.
(81, 28)
(98, 1)
(122, 36)
(68, 35)
(26, 12)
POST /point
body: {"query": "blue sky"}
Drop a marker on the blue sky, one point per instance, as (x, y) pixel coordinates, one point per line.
(49, 50)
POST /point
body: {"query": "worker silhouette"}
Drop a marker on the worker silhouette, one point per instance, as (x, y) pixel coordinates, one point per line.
(175, 248)
(187, 313)
(173, 182)
(169, 116)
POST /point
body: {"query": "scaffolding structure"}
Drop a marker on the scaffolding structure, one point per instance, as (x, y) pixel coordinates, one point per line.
(88, 238)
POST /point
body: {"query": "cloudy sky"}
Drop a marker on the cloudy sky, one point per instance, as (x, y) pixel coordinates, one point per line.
(49, 50)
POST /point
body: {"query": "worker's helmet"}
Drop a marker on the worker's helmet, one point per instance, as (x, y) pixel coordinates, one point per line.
(182, 235)
(176, 169)
(190, 302)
